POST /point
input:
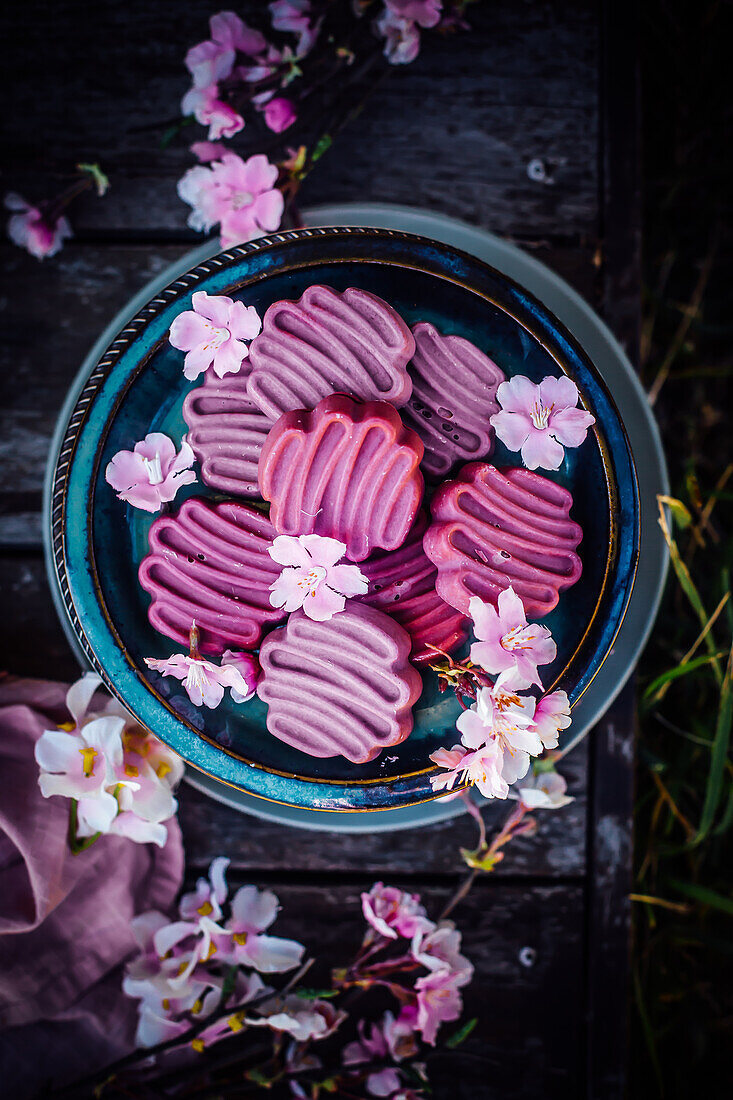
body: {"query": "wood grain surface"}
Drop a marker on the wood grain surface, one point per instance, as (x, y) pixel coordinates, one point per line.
(552, 82)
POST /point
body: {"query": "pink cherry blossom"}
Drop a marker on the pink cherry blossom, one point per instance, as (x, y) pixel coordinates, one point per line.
(393, 912)
(293, 16)
(440, 949)
(240, 195)
(152, 473)
(30, 228)
(253, 911)
(212, 60)
(81, 764)
(213, 334)
(552, 714)
(206, 151)
(540, 420)
(402, 38)
(249, 668)
(311, 578)
(438, 1001)
(545, 791)
(507, 640)
(303, 1020)
(279, 114)
(209, 894)
(204, 681)
(208, 109)
(426, 13)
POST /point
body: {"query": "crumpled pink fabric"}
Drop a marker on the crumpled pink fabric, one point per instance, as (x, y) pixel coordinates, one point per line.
(64, 919)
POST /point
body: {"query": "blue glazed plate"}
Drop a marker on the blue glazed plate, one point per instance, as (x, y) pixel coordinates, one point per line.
(138, 386)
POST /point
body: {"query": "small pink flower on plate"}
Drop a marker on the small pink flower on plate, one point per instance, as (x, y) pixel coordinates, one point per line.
(551, 715)
(507, 641)
(311, 577)
(239, 194)
(540, 420)
(204, 681)
(152, 473)
(213, 334)
(545, 791)
(30, 229)
(279, 114)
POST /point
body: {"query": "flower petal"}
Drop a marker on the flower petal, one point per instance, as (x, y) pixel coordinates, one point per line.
(511, 428)
(291, 550)
(541, 450)
(348, 580)
(518, 395)
(323, 603)
(253, 909)
(570, 426)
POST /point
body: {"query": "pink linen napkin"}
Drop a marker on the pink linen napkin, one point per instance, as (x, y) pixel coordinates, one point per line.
(64, 919)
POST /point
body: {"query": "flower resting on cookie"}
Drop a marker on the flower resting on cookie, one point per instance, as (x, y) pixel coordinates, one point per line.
(312, 578)
(203, 680)
(152, 473)
(505, 640)
(540, 420)
(213, 334)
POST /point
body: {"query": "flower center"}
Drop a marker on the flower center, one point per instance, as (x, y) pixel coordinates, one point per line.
(519, 637)
(154, 469)
(240, 938)
(206, 909)
(88, 757)
(308, 582)
(216, 336)
(541, 414)
(241, 198)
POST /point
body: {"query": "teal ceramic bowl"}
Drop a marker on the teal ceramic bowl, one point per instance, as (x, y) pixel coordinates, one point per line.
(138, 387)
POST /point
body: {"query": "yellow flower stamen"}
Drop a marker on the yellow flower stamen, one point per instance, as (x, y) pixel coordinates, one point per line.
(166, 1003)
(67, 727)
(212, 951)
(240, 938)
(162, 769)
(197, 1006)
(198, 1045)
(236, 1022)
(131, 771)
(88, 755)
(206, 909)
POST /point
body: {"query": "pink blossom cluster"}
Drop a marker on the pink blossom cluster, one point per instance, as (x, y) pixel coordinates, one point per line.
(432, 948)
(400, 23)
(121, 778)
(504, 728)
(180, 970)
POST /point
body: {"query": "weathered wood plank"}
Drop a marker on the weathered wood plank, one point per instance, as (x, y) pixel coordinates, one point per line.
(557, 850)
(81, 290)
(455, 131)
(529, 1003)
(36, 646)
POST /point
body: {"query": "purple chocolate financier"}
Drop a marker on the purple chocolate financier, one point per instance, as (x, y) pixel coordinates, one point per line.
(453, 396)
(327, 342)
(226, 433)
(402, 583)
(210, 563)
(495, 528)
(344, 687)
(346, 469)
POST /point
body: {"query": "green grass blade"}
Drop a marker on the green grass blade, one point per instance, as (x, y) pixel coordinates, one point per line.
(704, 895)
(675, 673)
(718, 755)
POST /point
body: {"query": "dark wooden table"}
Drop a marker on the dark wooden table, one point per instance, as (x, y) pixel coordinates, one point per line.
(553, 81)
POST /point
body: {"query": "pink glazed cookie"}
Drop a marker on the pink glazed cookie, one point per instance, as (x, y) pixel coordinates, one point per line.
(453, 395)
(329, 342)
(210, 563)
(226, 433)
(346, 469)
(402, 583)
(495, 528)
(344, 687)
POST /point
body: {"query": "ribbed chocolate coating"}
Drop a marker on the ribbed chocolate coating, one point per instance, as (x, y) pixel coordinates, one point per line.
(453, 396)
(346, 469)
(329, 342)
(495, 528)
(343, 687)
(402, 583)
(226, 433)
(210, 563)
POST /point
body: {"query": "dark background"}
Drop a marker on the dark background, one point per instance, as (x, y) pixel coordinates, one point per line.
(629, 112)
